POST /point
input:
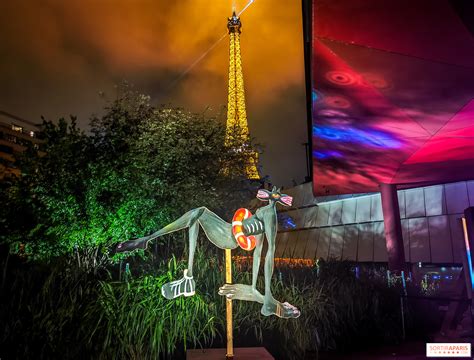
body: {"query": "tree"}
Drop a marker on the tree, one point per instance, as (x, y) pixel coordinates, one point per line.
(138, 169)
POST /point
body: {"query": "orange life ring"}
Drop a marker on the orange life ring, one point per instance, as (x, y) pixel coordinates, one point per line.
(245, 242)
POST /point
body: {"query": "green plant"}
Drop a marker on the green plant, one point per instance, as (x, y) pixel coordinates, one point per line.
(139, 168)
(136, 322)
(57, 310)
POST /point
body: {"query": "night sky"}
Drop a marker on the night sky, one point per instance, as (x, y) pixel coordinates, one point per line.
(58, 57)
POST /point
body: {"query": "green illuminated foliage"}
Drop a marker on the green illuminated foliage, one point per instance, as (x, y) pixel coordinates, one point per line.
(138, 168)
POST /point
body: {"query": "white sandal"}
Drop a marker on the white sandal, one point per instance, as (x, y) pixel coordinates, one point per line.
(184, 286)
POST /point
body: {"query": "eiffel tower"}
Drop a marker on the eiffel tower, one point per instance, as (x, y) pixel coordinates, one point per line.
(236, 112)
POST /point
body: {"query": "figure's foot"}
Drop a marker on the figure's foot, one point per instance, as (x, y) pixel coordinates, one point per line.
(129, 246)
(185, 286)
(241, 292)
(284, 310)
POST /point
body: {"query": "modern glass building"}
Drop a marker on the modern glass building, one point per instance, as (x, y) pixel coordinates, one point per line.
(390, 88)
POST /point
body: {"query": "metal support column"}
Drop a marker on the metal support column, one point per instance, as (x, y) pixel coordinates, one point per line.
(393, 228)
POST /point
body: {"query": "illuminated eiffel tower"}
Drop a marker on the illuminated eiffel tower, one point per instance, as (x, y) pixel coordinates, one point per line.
(236, 113)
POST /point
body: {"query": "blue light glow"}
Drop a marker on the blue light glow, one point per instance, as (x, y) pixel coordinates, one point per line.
(469, 262)
(315, 96)
(468, 251)
(368, 137)
(286, 221)
(326, 154)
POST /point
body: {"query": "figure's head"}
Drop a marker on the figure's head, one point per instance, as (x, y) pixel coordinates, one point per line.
(274, 196)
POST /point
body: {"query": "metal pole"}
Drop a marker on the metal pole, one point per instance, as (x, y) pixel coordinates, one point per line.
(228, 306)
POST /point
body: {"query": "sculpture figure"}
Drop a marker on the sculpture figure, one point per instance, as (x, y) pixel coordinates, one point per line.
(248, 232)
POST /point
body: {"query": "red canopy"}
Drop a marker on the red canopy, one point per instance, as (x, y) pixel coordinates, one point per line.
(393, 94)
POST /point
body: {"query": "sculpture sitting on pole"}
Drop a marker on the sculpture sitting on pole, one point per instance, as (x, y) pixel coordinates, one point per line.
(246, 231)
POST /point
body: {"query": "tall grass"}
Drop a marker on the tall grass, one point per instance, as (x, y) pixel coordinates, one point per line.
(136, 322)
(57, 311)
(41, 309)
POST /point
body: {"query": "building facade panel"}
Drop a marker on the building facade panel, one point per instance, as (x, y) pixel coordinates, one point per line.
(363, 209)
(457, 237)
(291, 244)
(335, 213)
(435, 200)
(337, 242)
(323, 215)
(414, 203)
(440, 239)
(323, 244)
(376, 208)
(380, 247)
(470, 192)
(351, 238)
(366, 242)
(401, 204)
(419, 240)
(312, 244)
(406, 238)
(311, 216)
(281, 241)
(301, 244)
(456, 197)
(349, 211)
(351, 226)
(308, 198)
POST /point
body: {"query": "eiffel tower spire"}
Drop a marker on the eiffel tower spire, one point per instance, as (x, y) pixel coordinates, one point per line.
(236, 112)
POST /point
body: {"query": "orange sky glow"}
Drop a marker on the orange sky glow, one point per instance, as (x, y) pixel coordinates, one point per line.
(57, 56)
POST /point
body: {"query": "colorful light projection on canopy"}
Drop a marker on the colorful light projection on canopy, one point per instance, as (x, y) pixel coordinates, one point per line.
(393, 93)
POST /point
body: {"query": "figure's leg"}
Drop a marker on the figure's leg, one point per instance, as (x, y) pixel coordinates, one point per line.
(186, 285)
(268, 272)
(270, 305)
(185, 221)
(218, 231)
(193, 235)
(243, 291)
(257, 254)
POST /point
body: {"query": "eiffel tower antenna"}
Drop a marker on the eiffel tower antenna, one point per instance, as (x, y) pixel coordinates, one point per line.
(236, 111)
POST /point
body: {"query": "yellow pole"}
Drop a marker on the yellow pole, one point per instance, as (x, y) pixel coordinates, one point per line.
(228, 305)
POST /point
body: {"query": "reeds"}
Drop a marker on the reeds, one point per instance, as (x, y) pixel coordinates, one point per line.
(137, 322)
(58, 311)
